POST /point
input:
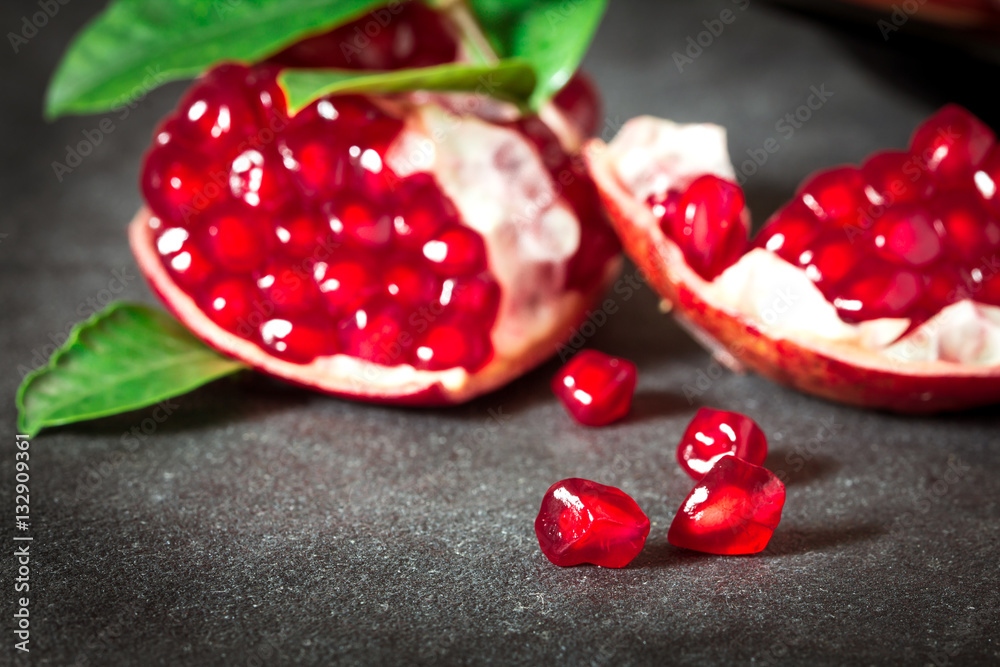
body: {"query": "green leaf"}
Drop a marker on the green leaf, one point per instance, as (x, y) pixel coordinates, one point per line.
(126, 357)
(552, 35)
(511, 80)
(135, 45)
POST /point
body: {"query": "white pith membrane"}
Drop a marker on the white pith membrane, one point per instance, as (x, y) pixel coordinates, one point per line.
(530, 236)
(651, 156)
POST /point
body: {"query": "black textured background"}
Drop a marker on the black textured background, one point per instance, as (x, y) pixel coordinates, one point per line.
(261, 524)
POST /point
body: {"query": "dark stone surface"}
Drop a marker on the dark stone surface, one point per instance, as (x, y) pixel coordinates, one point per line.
(261, 524)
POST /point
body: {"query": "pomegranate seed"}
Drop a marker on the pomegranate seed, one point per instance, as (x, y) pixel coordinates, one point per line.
(970, 231)
(230, 304)
(836, 195)
(452, 344)
(408, 285)
(733, 510)
(477, 296)
(987, 180)
(585, 522)
(708, 225)
(831, 262)
(179, 183)
(895, 177)
(344, 285)
(595, 388)
(296, 342)
(236, 240)
(907, 234)
(458, 251)
(214, 116)
(360, 223)
(301, 234)
(256, 179)
(789, 231)
(713, 434)
(879, 293)
(952, 143)
(291, 290)
(375, 332)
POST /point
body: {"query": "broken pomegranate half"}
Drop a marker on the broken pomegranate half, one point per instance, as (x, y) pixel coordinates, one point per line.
(876, 285)
(417, 248)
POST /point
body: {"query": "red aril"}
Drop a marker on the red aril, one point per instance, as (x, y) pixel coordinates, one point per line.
(713, 434)
(595, 388)
(585, 522)
(952, 144)
(733, 510)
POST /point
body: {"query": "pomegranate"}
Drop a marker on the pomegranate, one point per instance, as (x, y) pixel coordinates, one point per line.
(733, 510)
(876, 285)
(417, 248)
(713, 434)
(585, 522)
(595, 388)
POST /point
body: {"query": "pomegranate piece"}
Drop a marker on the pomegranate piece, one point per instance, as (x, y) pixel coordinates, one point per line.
(713, 434)
(311, 248)
(893, 239)
(595, 388)
(733, 510)
(707, 221)
(585, 522)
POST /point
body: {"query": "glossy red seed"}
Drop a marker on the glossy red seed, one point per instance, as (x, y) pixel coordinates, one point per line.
(477, 297)
(585, 522)
(987, 180)
(708, 225)
(179, 184)
(449, 345)
(211, 115)
(303, 234)
(595, 388)
(789, 232)
(894, 177)
(408, 285)
(733, 510)
(879, 293)
(296, 342)
(952, 144)
(230, 304)
(458, 251)
(235, 240)
(289, 288)
(376, 332)
(344, 285)
(907, 234)
(713, 434)
(836, 195)
(832, 260)
(970, 230)
(360, 223)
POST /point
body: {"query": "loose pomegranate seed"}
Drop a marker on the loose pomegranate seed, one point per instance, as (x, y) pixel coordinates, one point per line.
(585, 522)
(707, 224)
(952, 143)
(595, 388)
(713, 434)
(921, 238)
(733, 510)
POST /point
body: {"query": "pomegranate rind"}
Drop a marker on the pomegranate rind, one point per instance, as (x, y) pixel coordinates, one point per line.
(835, 371)
(349, 377)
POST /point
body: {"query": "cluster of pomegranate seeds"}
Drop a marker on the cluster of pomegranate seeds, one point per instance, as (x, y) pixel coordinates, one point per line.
(398, 36)
(707, 221)
(907, 233)
(596, 388)
(713, 434)
(733, 510)
(293, 233)
(585, 522)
